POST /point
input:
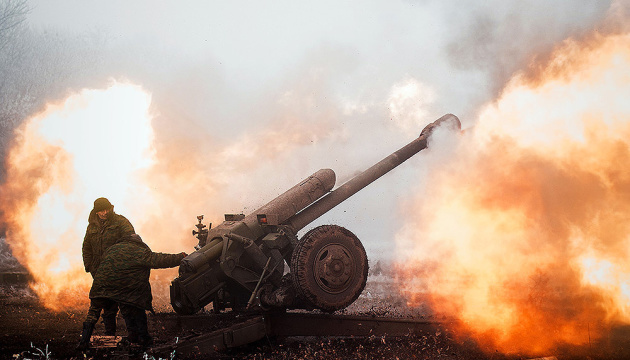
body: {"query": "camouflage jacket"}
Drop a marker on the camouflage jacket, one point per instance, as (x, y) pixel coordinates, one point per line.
(100, 236)
(124, 272)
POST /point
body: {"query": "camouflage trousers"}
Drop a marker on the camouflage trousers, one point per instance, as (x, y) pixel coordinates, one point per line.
(136, 321)
(109, 309)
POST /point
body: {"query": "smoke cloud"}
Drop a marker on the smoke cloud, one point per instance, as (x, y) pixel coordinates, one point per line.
(523, 235)
(247, 99)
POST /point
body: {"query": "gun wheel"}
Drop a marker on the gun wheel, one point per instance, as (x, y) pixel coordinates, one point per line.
(329, 267)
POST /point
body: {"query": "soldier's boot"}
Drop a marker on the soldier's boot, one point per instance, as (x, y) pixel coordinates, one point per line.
(86, 334)
(132, 337)
(110, 325)
(144, 339)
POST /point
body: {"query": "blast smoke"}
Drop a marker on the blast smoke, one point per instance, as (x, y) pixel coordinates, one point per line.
(242, 110)
(522, 234)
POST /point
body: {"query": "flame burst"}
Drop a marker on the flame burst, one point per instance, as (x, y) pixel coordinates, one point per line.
(523, 232)
(117, 143)
(93, 144)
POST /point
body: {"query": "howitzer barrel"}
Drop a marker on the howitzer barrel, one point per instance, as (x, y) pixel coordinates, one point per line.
(282, 208)
(298, 197)
(362, 180)
(244, 252)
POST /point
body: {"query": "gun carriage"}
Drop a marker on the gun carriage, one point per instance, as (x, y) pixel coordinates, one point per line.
(256, 260)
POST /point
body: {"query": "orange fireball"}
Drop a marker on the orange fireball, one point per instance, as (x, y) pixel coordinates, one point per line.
(523, 231)
(93, 144)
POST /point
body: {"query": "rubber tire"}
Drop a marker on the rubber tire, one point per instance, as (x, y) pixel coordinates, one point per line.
(319, 250)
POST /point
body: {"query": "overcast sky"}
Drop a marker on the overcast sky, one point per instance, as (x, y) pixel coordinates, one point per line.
(379, 70)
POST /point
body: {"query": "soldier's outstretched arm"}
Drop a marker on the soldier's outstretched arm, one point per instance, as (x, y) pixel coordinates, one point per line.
(156, 260)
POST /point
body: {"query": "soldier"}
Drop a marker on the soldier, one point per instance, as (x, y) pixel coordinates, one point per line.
(105, 228)
(123, 277)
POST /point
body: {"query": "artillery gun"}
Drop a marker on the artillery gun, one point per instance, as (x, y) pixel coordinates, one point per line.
(242, 263)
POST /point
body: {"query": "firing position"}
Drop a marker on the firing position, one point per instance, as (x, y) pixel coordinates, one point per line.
(123, 277)
(105, 228)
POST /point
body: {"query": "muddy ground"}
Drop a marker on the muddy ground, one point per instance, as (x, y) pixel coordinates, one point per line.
(28, 331)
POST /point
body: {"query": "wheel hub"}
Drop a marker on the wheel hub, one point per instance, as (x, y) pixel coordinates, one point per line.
(334, 268)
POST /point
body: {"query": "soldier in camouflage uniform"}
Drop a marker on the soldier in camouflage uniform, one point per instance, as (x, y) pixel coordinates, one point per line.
(105, 228)
(123, 277)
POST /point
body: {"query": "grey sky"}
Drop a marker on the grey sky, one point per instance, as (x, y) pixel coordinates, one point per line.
(233, 59)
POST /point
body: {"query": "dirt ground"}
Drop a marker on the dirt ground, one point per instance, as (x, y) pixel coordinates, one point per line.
(28, 331)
